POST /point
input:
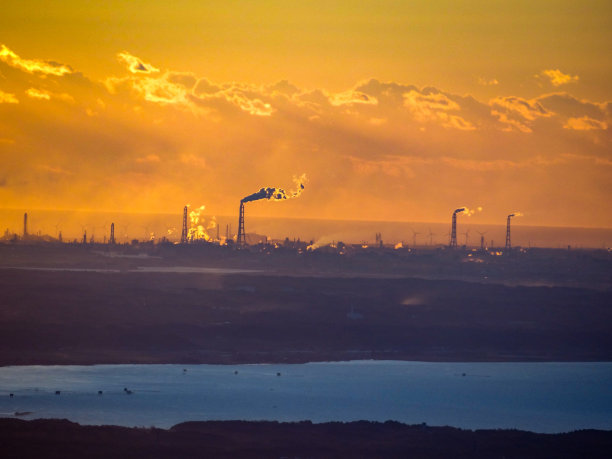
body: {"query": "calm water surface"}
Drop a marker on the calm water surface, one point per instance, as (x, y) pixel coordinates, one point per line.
(541, 397)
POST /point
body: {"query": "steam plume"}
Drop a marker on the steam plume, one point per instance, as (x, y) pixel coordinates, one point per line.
(198, 229)
(278, 194)
(467, 211)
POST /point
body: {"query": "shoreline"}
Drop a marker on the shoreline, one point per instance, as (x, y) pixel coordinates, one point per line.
(242, 439)
(285, 359)
(305, 362)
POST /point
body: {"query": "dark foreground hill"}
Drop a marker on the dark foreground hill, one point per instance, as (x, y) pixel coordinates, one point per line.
(237, 439)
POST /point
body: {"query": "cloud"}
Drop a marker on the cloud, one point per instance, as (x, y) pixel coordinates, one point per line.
(371, 149)
(158, 90)
(248, 98)
(134, 64)
(527, 109)
(205, 87)
(253, 106)
(434, 107)
(161, 91)
(42, 94)
(584, 124)
(571, 107)
(556, 77)
(428, 103)
(38, 94)
(182, 90)
(517, 113)
(509, 123)
(6, 98)
(33, 65)
(186, 79)
(351, 97)
(487, 81)
(283, 87)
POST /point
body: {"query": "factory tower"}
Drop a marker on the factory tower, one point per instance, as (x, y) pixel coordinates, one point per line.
(184, 231)
(241, 240)
(508, 240)
(453, 240)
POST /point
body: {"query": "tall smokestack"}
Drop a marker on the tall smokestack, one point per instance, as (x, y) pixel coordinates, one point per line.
(184, 231)
(508, 241)
(271, 194)
(25, 225)
(241, 240)
(277, 194)
(453, 241)
(111, 240)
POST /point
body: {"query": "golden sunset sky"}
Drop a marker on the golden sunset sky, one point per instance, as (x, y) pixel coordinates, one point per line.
(395, 110)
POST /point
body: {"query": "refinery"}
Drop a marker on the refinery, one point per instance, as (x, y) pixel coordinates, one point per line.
(199, 229)
(195, 230)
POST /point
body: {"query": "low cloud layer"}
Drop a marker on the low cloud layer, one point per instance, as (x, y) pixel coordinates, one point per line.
(557, 78)
(134, 64)
(32, 65)
(151, 139)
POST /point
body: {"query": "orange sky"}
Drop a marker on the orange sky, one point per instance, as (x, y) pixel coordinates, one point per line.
(395, 110)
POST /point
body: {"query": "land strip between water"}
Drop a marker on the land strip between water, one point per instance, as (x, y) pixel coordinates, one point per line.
(82, 317)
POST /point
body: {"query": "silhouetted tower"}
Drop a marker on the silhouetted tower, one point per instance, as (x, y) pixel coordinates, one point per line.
(25, 225)
(467, 235)
(111, 240)
(508, 241)
(241, 235)
(59, 237)
(85, 237)
(453, 240)
(414, 238)
(482, 240)
(184, 231)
